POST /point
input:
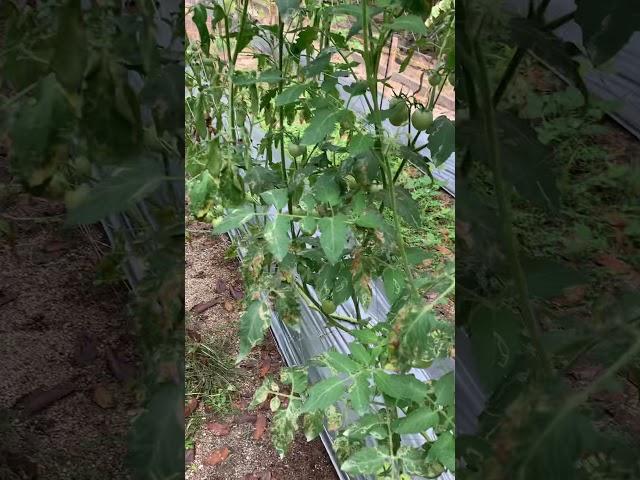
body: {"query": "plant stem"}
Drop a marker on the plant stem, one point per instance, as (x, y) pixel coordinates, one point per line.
(506, 214)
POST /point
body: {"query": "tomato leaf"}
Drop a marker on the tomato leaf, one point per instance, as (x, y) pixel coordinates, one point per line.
(253, 324)
(333, 236)
(364, 461)
(418, 421)
(276, 233)
(400, 386)
(323, 394)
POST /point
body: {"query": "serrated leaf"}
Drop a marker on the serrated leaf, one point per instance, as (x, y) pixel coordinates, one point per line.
(312, 424)
(365, 461)
(326, 189)
(234, 219)
(407, 207)
(309, 225)
(409, 23)
(290, 95)
(370, 219)
(360, 393)
(400, 386)
(323, 394)
(333, 236)
(360, 353)
(418, 421)
(200, 20)
(276, 234)
(340, 362)
(444, 389)
(296, 377)
(442, 140)
(360, 143)
(443, 450)
(253, 324)
(276, 197)
(71, 33)
(322, 124)
(394, 283)
(119, 191)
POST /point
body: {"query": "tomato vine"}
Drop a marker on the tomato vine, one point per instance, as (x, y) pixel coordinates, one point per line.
(274, 149)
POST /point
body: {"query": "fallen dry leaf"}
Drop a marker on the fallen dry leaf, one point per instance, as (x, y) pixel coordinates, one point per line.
(120, 368)
(572, 296)
(261, 425)
(194, 335)
(216, 457)
(189, 456)
(236, 292)
(54, 246)
(85, 351)
(228, 306)
(43, 397)
(219, 429)
(264, 366)
(614, 264)
(221, 286)
(191, 405)
(245, 418)
(204, 306)
(443, 250)
(103, 397)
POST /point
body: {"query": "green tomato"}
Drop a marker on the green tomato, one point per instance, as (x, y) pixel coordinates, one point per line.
(399, 112)
(73, 198)
(296, 150)
(435, 79)
(422, 119)
(328, 307)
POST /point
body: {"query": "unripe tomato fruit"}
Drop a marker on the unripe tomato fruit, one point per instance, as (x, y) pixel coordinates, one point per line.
(422, 119)
(296, 150)
(399, 112)
(435, 79)
(328, 307)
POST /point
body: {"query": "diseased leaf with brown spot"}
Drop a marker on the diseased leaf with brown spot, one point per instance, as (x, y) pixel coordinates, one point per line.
(261, 425)
(218, 429)
(216, 457)
(204, 306)
(191, 405)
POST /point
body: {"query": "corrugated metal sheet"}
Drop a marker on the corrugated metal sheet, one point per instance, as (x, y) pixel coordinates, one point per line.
(620, 83)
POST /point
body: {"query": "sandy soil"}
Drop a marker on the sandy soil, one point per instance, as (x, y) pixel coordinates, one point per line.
(210, 277)
(57, 333)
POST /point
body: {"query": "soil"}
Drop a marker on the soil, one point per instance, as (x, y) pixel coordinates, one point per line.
(210, 277)
(63, 414)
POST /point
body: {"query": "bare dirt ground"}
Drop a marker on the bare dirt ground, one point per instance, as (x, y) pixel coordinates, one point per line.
(64, 414)
(236, 445)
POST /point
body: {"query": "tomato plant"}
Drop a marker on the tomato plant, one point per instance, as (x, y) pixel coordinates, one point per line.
(273, 140)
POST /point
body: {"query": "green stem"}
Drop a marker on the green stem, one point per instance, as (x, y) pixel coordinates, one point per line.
(506, 214)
